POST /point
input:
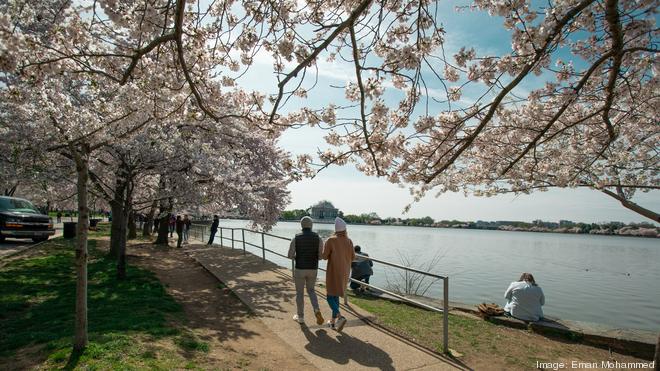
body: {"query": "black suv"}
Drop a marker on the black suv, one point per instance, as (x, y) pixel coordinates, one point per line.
(20, 219)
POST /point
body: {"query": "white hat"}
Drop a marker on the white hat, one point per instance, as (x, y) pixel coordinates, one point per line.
(340, 224)
(306, 222)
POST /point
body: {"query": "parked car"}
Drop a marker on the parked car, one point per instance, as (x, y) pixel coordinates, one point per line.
(19, 218)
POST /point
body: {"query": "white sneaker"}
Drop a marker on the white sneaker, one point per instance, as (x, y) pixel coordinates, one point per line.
(299, 319)
(341, 322)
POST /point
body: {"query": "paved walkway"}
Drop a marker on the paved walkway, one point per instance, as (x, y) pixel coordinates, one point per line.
(269, 291)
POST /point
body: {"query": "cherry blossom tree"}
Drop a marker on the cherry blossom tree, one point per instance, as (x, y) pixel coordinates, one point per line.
(81, 81)
(70, 118)
(589, 122)
(191, 163)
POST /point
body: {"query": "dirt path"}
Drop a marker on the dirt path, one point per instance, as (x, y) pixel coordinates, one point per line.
(237, 339)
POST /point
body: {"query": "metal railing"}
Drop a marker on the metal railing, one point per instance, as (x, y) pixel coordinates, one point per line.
(200, 231)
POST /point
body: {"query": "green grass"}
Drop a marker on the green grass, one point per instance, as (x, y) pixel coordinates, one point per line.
(425, 326)
(189, 342)
(102, 229)
(127, 319)
(472, 337)
(468, 336)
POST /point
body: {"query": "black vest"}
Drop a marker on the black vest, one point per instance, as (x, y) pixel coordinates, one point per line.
(307, 250)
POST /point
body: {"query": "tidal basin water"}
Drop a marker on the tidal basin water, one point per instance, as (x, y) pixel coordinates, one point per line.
(598, 279)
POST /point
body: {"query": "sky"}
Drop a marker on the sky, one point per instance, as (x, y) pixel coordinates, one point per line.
(355, 193)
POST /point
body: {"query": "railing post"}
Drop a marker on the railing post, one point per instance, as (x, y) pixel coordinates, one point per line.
(232, 238)
(243, 238)
(263, 247)
(406, 285)
(445, 314)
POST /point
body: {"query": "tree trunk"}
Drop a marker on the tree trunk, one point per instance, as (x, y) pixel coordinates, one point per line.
(121, 247)
(128, 214)
(147, 226)
(149, 222)
(132, 227)
(165, 208)
(80, 340)
(118, 227)
(163, 228)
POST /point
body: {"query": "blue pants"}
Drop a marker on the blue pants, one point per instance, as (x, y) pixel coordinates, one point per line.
(333, 301)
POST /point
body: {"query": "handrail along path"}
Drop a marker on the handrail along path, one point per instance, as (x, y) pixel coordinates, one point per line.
(199, 230)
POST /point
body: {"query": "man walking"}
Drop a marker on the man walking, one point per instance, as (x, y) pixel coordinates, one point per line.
(306, 249)
(338, 251)
(214, 229)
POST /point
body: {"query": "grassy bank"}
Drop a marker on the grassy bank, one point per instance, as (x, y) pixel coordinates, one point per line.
(133, 323)
(478, 343)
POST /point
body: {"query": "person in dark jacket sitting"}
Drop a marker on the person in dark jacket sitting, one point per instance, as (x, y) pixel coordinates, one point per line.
(361, 269)
(306, 249)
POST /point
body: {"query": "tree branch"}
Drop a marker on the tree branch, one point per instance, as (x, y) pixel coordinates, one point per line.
(496, 102)
(340, 28)
(631, 205)
(363, 118)
(614, 23)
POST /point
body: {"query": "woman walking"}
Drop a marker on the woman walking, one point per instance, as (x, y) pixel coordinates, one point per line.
(339, 253)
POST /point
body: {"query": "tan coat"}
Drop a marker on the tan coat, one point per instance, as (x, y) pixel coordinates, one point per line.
(339, 253)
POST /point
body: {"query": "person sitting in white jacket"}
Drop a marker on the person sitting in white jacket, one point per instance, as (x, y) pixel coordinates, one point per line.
(524, 299)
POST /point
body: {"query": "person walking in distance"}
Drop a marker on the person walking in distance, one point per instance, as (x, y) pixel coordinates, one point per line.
(338, 251)
(306, 249)
(179, 225)
(214, 229)
(186, 227)
(172, 224)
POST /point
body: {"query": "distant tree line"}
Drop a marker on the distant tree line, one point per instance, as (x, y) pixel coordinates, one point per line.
(563, 226)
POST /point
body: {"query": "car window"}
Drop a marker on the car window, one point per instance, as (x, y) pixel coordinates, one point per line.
(17, 205)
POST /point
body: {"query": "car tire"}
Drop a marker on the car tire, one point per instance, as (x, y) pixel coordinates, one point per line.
(39, 239)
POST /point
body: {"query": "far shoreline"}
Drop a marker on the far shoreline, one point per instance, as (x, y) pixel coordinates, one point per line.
(479, 229)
